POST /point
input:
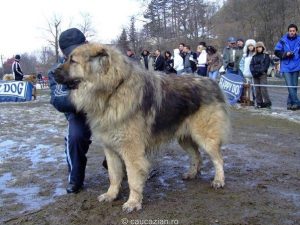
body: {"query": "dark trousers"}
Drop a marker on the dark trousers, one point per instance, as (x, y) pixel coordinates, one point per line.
(77, 143)
(18, 78)
(202, 71)
(262, 95)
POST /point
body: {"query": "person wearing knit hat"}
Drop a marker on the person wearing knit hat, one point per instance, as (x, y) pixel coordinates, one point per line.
(77, 140)
(259, 65)
(288, 50)
(240, 43)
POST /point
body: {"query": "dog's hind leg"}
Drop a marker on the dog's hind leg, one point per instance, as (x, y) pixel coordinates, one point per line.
(213, 148)
(137, 167)
(209, 128)
(116, 173)
(195, 158)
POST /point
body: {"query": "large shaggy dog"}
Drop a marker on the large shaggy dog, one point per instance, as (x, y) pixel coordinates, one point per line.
(132, 111)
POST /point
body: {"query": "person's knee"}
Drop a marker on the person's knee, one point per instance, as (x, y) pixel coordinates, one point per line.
(76, 135)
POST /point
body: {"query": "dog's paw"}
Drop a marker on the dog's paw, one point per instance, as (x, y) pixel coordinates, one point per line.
(131, 206)
(105, 198)
(189, 176)
(217, 184)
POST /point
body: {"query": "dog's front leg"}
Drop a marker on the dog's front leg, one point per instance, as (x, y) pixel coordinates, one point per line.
(137, 167)
(115, 171)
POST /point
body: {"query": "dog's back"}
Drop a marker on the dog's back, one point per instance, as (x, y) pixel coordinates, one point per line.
(8, 77)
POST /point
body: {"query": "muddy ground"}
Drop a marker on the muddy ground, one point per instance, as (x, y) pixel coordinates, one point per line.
(262, 169)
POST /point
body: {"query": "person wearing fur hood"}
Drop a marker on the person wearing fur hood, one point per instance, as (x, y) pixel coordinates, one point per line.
(248, 52)
(259, 65)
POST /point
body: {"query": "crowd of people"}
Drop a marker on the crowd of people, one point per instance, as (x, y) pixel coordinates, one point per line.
(247, 59)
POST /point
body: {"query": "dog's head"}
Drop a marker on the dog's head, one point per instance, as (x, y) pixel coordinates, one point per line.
(86, 63)
(30, 78)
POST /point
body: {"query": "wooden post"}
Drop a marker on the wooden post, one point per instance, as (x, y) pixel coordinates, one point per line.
(245, 98)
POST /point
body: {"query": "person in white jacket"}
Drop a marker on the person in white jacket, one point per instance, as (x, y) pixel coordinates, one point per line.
(202, 59)
(178, 62)
(248, 52)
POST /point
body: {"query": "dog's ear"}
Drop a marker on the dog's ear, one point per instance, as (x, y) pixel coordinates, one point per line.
(99, 60)
(99, 53)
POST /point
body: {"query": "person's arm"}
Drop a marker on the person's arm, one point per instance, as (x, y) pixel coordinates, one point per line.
(220, 61)
(225, 58)
(19, 70)
(177, 62)
(266, 63)
(238, 58)
(279, 51)
(60, 95)
(252, 66)
(242, 64)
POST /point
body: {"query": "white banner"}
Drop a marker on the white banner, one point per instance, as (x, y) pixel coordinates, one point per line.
(13, 88)
(15, 91)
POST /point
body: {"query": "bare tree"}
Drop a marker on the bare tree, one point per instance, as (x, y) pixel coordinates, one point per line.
(28, 63)
(86, 25)
(53, 31)
(45, 60)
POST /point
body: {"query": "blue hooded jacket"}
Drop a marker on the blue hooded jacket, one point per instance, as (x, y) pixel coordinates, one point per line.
(286, 44)
(60, 95)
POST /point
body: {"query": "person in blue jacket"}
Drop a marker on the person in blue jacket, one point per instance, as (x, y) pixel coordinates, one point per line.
(288, 50)
(77, 140)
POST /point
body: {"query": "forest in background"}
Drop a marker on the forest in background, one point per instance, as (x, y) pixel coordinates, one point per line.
(169, 22)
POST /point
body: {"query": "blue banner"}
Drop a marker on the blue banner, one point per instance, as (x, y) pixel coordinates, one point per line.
(15, 91)
(232, 85)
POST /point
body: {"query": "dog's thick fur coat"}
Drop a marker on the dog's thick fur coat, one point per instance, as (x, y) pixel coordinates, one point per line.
(132, 111)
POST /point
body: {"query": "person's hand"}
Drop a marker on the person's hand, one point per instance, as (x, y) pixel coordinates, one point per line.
(288, 55)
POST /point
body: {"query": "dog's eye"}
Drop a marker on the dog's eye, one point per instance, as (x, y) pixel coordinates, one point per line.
(72, 60)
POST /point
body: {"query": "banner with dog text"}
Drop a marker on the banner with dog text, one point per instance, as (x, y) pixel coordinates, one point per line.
(15, 91)
(232, 85)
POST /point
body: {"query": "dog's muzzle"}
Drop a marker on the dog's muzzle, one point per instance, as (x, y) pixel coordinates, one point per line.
(62, 77)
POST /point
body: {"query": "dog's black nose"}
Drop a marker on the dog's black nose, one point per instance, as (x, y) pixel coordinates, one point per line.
(59, 75)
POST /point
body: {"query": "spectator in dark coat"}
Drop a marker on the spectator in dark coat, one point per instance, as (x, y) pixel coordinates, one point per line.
(159, 61)
(259, 65)
(16, 69)
(169, 63)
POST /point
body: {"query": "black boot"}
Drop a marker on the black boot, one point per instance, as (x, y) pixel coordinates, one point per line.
(73, 188)
(267, 105)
